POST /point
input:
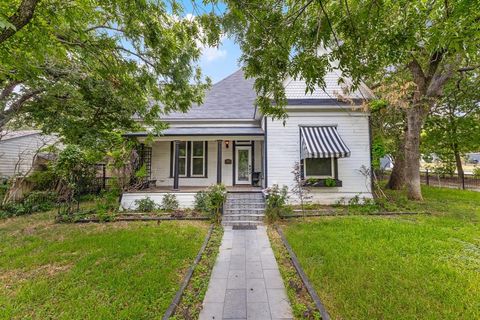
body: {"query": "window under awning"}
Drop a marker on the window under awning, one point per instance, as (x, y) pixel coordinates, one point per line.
(322, 142)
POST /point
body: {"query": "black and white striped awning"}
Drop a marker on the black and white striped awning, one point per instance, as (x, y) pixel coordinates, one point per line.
(322, 142)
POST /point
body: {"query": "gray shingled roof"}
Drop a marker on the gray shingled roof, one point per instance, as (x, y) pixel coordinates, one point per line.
(230, 98)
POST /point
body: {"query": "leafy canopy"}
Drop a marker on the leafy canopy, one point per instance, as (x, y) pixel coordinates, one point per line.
(84, 68)
(366, 38)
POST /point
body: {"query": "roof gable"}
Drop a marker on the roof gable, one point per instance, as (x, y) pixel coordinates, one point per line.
(230, 98)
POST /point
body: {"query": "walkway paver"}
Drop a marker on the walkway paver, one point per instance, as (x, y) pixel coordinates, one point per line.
(245, 281)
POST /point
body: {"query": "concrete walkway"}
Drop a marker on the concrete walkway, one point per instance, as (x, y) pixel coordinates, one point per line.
(246, 282)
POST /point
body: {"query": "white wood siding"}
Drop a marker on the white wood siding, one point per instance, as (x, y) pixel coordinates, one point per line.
(185, 200)
(16, 154)
(284, 150)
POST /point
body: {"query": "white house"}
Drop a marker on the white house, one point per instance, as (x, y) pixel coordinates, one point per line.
(18, 148)
(227, 140)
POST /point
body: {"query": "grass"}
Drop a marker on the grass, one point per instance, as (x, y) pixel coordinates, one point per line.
(303, 306)
(400, 267)
(191, 303)
(92, 271)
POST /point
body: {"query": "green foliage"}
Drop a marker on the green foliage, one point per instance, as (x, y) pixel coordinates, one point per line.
(330, 182)
(145, 205)
(202, 202)
(75, 166)
(312, 180)
(141, 173)
(169, 202)
(43, 179)
(91, 65)
(276, 199)
(216, 195)
(36, 201)
(476, 172)
(282, 38)
(454, 125)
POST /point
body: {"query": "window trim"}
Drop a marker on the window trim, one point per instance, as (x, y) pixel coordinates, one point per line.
(189, 157)
(319, 177)
(192, 156)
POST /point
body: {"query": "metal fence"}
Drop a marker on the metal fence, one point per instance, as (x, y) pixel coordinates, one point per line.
(465, 181)
(434, 179)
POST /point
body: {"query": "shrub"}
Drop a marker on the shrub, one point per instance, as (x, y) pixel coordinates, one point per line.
(43, 179)
(476, 172)
(145, 205)
(38, 201)
(169, 202)
(275, 202)
(216, 195)
(201, 201)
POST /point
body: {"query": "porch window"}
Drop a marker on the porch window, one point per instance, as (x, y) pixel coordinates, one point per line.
(319, 167)
(198, 159)
(192, 159)
(182, 159)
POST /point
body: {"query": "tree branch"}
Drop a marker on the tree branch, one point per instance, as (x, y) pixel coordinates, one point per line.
(104, 27)
(5, 115)
(20, 18)
(470, 68)
(136, 55)
(8, 89)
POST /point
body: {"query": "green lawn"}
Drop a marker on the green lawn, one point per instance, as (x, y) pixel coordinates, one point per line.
(401, 267)
(92, 271)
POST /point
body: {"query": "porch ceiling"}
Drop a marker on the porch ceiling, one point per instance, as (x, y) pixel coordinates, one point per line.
(205, 131)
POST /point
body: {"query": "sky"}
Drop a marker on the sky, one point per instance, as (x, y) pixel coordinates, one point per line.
(216, 63)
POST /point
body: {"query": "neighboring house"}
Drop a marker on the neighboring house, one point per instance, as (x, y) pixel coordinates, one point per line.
(18, 149)
(227, 140)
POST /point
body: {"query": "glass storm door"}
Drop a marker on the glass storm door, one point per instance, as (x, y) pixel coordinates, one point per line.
(243, 165)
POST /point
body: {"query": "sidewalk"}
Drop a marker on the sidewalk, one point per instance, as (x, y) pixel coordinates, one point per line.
(245, 282)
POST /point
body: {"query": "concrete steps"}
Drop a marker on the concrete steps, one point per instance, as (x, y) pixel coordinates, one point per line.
(244, 209)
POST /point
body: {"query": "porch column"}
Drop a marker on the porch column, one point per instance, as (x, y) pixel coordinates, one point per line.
(176, 151)
(219, 161)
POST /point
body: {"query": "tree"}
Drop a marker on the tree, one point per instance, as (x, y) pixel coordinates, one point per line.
(84, 68)
(427, 41)
(453, 127)
(388, 131)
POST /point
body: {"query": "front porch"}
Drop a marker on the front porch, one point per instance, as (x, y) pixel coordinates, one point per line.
(192, 163)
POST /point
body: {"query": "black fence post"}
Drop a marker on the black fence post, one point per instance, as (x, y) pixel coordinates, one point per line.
(463, 180)
(428, 178)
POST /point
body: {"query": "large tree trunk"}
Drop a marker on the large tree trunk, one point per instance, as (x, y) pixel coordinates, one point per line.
(397, 178)
(415, 117)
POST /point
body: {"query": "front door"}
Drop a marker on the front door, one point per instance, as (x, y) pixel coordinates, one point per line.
(243, 165)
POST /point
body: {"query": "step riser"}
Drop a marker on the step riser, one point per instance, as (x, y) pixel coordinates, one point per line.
(243, 209)
(245, 196)
(242, 218)
(242, 223)
(244, 202)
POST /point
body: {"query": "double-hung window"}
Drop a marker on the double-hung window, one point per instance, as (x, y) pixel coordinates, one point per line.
(197, 159)
(191, 159)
